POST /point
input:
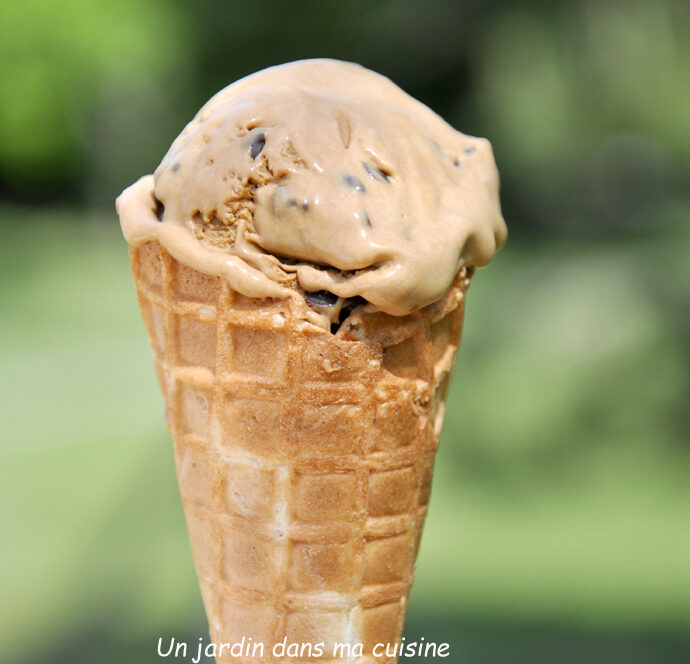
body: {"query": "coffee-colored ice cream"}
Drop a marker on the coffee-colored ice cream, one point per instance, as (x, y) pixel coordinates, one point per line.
(301, 258)
(322, 180)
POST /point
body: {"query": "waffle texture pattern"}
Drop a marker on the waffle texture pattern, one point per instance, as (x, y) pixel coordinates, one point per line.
(304, 458)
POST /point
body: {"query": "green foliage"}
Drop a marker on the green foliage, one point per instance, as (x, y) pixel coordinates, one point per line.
(587, 105)
(59, 61)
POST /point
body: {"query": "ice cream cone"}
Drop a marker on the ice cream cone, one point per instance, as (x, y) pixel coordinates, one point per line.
(304, 458)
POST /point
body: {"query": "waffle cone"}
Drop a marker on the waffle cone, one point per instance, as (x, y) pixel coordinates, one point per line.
(304, 458)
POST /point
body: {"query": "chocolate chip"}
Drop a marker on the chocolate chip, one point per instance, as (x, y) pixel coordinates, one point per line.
(285, 203)
(375, 173)
(367, 221)
(257, 145)
(470, 150)
(160, 209)
(321, 298)
(352, 181)
(456, 163)
(176, 167)
(349, 306)
(294, 204)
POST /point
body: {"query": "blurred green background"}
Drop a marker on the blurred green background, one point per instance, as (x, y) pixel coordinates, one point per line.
(560, 520)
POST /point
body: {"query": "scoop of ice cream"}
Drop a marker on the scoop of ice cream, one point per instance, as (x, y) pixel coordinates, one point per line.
(323, 176)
